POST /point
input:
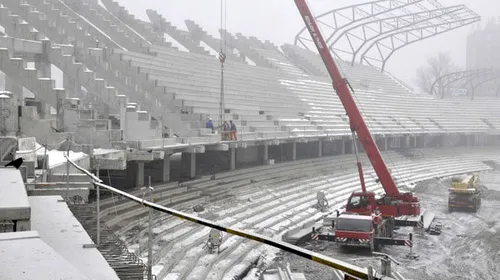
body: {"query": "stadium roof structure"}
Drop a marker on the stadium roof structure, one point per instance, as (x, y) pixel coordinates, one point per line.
(470, 79)
(371, 32)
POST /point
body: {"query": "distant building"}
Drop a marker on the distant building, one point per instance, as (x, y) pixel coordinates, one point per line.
(482, 47)
(482, 51)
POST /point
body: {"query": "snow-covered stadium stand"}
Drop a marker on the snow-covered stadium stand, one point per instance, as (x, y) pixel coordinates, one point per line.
(135, 94)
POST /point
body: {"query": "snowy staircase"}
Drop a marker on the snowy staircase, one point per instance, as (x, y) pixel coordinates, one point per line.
(108, 23)
(78, 71)
(295, 54)
(126, 265)
(180, 36)
(43, 88)
(58, 55)
(197, 33)
(139, 26)
(245, 49)
(60, 13)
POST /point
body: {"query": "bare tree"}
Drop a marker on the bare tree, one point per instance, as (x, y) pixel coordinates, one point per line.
(436, 66)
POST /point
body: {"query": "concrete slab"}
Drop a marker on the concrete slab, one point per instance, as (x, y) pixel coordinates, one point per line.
(14, 203)
(139, 155)
(20, 45)
(110, 163)
(24, 256)
(58, 227)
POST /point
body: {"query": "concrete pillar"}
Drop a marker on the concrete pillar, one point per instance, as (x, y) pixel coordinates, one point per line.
(122, 99)
(15, 88)
(42, 63)
(60, 109)
(232, 158)
(266, 153)
(442, 140)
(402, 142)
(192, 165)
(320, 148)
(139, 178)
(73, 87)
(294, 151)
(166, 168)
(342, 147)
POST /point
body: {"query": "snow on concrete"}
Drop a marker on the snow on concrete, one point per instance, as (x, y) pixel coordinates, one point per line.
(91, 24)
(57, 158)
(100, 151)
(14, 204)
(284, 200)
(117, 19)
(24, 256)
(250, 62)
(175, 43)
(61, 230)
(209, 49)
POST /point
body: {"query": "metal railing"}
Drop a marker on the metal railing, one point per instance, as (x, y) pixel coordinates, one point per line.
(352, 270)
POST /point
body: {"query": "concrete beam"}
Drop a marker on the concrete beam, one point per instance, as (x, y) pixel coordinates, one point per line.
(243, 145)
(21, 45)
(110, 163)
(136, 155)
(220, 147)
(158, 155)
(195, 149)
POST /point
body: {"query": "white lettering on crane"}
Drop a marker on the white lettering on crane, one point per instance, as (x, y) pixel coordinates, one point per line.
(313, 31)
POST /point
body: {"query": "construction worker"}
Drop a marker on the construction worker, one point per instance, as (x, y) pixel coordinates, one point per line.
(226, 131)
(210, 124)
(232, 133)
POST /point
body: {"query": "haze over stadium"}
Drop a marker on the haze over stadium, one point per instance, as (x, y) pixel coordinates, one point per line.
(279, 22)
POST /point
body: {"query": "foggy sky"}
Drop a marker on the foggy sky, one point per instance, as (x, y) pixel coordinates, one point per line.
(279, 22)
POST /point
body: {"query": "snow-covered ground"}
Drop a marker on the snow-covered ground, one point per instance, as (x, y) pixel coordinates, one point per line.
(270, 208)
(468, 247)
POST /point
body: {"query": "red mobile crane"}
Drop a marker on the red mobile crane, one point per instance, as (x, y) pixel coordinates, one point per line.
(394, 204)
(392, 209)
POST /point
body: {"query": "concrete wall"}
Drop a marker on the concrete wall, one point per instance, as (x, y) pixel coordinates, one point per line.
(249, 155)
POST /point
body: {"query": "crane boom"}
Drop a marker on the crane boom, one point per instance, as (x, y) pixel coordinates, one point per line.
(394, 203)
(355, 118)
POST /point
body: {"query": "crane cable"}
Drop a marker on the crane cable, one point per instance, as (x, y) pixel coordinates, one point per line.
(222, 59)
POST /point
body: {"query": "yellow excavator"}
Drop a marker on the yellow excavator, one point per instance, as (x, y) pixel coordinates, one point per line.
(464, 194)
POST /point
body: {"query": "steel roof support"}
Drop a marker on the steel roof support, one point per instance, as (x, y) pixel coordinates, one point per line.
(404, 39)
(352, 14)
(466, 77)
(391, 24)
(384, 26)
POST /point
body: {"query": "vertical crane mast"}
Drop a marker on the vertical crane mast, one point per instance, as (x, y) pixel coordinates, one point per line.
(357, 123)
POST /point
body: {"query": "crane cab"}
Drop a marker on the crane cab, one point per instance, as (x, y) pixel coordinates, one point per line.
(361, 202)
(364, 203)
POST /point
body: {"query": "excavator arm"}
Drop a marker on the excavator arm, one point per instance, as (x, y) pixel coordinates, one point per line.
(357, 123)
